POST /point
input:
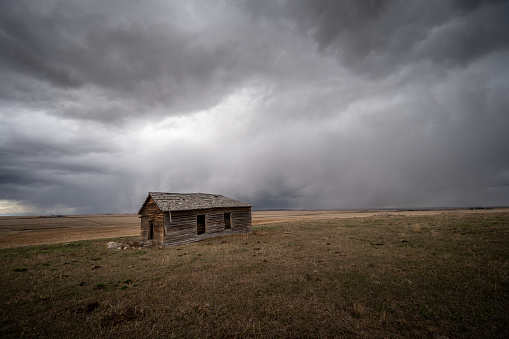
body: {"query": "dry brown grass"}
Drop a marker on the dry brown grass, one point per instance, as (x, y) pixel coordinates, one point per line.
(37, 230)
(354, 277)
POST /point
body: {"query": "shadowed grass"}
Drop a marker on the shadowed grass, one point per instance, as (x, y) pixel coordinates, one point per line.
(372, 277)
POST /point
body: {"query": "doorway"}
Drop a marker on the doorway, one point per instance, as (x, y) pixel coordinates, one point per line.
(150, 230)
(227, 221)
(200, 224)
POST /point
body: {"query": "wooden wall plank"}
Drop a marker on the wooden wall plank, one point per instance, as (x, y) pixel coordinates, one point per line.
(183, 224)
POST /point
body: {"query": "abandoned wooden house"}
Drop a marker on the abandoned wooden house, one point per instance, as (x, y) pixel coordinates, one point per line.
(169, 219)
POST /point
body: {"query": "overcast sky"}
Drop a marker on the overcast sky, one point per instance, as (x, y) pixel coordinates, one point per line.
(280, 104)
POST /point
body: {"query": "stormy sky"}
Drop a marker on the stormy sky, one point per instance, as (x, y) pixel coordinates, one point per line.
(281, 104)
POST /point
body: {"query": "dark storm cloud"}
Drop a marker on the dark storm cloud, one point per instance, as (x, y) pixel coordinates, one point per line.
(158, 62)
(294, 104)
(379, 37)
(72, 49)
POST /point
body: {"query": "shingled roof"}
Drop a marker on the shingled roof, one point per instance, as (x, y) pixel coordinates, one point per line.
(191, 201)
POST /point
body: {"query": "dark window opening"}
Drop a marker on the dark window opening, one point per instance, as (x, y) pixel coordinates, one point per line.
(227, 221)
(200, 224)
(150, 230)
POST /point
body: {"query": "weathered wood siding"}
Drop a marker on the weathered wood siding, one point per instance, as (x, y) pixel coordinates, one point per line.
(183, 224)
(151, 212)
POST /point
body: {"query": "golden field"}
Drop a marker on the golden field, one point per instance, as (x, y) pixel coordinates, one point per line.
(37, 230)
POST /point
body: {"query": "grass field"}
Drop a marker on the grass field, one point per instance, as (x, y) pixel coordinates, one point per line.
(16, 231)
(441, 275)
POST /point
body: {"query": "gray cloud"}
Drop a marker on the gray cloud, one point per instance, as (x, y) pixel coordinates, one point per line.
(287, 104)
(87, 52)
(379, 37)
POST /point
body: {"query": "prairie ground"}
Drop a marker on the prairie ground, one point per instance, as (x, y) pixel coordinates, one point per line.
(387, 274)
(18, 231)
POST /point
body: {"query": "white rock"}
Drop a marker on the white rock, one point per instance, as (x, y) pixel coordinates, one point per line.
(113, 244)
